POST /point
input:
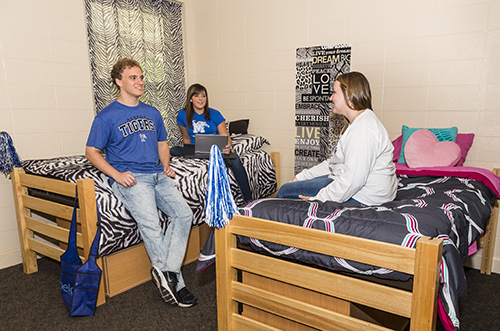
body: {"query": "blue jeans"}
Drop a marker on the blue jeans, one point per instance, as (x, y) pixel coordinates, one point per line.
(239, 172)
(308, 188)
(152, 192)
(177, 151)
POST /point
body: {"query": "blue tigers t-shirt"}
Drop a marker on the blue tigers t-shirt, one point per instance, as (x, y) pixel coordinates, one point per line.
(129, 136)
(200, 124)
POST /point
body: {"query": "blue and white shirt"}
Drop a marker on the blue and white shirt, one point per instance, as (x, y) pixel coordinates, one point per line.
(199, 124)
(129, 137)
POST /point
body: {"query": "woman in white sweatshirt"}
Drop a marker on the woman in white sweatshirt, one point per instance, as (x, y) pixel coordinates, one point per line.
(360, 169)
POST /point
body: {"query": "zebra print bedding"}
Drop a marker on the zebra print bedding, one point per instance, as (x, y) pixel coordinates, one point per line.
(118, 228)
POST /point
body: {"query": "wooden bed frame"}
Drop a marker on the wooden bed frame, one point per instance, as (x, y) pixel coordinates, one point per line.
(43, 229)
(292, 296)
(259, 292)
(46, 235)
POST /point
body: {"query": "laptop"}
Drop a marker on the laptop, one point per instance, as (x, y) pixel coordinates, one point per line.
(203, 144)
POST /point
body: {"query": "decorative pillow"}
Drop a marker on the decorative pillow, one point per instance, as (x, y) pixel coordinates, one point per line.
(464, 140)
(247, 142)
(442, 134)
(238, 127)
(397, 148)
(423, 149)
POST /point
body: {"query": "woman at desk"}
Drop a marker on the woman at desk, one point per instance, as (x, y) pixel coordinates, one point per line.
(198, 118)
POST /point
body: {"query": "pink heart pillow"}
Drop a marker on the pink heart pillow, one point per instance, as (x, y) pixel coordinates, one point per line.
(424, 150)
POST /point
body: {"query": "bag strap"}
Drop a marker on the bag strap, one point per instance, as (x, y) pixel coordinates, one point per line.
(72, 230)
(71, 254)
(95, 243)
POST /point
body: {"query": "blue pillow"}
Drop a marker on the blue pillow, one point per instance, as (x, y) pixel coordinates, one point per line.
(442, 134)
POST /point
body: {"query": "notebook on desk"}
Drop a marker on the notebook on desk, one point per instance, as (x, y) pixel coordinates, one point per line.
(203, 144)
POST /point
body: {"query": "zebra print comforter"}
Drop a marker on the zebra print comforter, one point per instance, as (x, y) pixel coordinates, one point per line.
(118, 228)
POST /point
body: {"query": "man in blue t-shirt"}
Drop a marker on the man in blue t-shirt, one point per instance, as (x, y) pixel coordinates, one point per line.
(134, 140)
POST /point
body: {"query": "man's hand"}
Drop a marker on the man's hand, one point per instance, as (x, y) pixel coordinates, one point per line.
(169, 171)
(303, 197)
(125, 179)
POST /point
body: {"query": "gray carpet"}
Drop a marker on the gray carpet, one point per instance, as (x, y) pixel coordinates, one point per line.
(33, 302)
(479, 309)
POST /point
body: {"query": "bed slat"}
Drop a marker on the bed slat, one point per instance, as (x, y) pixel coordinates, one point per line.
(48, 184)
(243, 323)
(48, 207)
(295, 310)
(46, 249)
(52, 231)
(347, 288)
(380, 254)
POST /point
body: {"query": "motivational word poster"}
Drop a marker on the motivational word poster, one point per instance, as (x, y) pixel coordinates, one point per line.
(317, 128)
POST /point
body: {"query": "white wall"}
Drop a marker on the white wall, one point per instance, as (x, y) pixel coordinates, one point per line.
(45, 91)
(430, 62)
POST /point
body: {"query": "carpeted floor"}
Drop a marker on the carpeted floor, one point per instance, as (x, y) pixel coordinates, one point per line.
(479, 309)
(33, 302)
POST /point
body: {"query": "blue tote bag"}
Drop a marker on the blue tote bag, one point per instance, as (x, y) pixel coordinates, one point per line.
(80, 282)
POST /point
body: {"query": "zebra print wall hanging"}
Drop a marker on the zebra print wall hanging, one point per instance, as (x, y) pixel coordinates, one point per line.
(317, 128)
(149, 31)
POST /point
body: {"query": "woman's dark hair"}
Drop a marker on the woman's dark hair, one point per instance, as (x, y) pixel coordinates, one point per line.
(120, 65)
(188, 107)
(356, 90)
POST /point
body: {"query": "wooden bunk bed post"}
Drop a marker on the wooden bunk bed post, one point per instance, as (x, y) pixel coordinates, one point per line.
(488, 241)
(490, 232)
(427, 272)
(88, 221)
(88, 212)
(30, 264)
(225, 276)
(275, 157)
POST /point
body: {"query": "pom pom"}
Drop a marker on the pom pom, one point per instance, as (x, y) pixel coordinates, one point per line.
(220, 206)
(8, 156)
